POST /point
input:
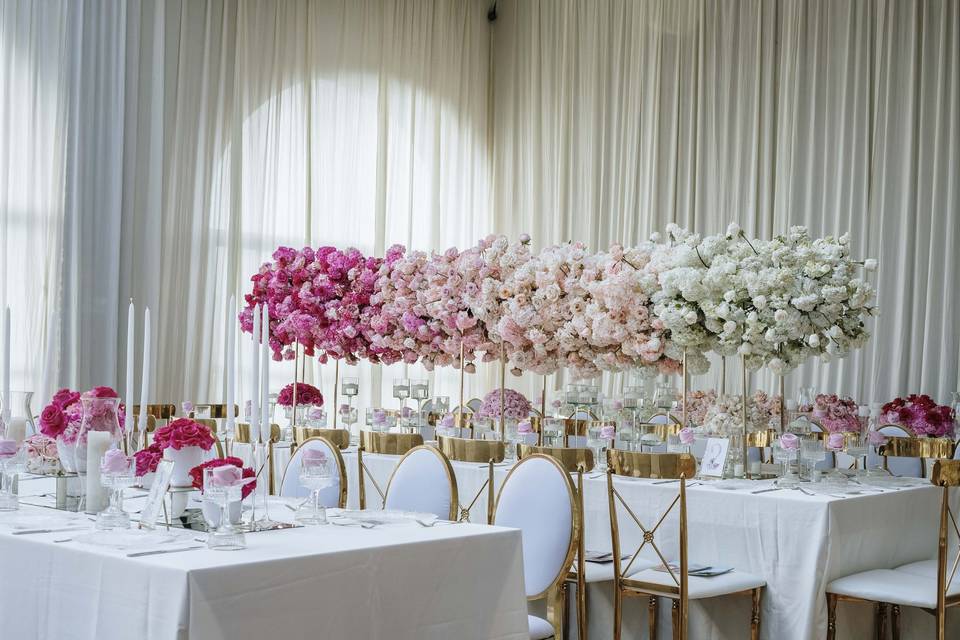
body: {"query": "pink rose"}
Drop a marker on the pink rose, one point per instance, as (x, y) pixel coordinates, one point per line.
(114, 463)
(226, 476)
(835, 441)
(790, 442)
(8, 448)
(524, 427)
(64, 398)
(101, 392)
(184, 433)
(686, 436)
(448, 421)
(148, 459)
(52, 421)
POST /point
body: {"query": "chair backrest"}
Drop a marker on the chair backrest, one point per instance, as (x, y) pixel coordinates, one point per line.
(214, 410)
(663, 418)
(910, 467)
(423, 481)
(158, 411)
(946, 474)
(475, 404)
(389, 443)
(332, 496)
(572, 459)
(469, 450)
(538, 498)
(242, 433)
(636, 464)
(339, 437)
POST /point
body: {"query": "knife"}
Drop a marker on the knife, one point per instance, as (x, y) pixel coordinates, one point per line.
(25, 532)
(157, 552)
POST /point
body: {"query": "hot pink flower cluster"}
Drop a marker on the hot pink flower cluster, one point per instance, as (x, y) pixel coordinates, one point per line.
(315, 297)
(63, 416)
(921, 414)
(836, 414)
(515, 405)
(307, 394)
(148, 459)
(184, 433)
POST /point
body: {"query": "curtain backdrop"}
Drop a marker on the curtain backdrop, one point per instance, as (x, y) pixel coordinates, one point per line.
(614, 117)
(161, 150)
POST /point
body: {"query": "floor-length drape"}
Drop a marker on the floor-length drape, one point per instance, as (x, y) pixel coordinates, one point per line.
(614, 117)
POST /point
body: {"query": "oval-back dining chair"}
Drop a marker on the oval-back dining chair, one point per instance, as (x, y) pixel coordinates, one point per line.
(333, 496)
(423, 482)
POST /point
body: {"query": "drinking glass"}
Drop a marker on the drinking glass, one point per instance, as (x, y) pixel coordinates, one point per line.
(553, 429)
(419, 391)
(350, 387)
(12, 463)
(226, 537)
(857, 447)
(785, 457)
(401, 389)
(316, 474)
(116, 480)
(664, 396)
(806, 398)
(812, 453)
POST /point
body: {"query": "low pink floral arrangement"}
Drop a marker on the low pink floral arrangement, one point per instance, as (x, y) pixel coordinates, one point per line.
(921, 415)
(515, 405)
(62, 417)
(836, 414)
(196, 474)
(698, 403)
(148, 459)
(184, 433)
(42, 455)
(307, 394)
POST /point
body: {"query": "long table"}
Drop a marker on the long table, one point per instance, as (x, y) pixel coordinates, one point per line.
(395, 581)
(798, 543)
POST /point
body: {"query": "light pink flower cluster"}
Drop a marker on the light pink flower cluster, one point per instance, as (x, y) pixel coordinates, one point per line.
(698, 403)
(836, 414)
(315, 297)
(515, 405)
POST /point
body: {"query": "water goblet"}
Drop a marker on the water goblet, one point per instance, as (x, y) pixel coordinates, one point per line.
(785, 451)
(350, 387)
(401, 389)
(812, 453)
(12, 463)
(316, 474)
(117, 472)
(224, 485)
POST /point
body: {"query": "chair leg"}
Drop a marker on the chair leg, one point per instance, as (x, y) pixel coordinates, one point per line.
(565, 629)
(556, 611)
(895, 620)
(755, 615)
(831, 616)
(675, 618)
(881, 622)
(652, 618)
(581, 607)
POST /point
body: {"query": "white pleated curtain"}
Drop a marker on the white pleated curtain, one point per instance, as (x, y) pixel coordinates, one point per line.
(614, 117)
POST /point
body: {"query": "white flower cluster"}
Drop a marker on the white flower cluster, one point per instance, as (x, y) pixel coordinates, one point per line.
(776, 302)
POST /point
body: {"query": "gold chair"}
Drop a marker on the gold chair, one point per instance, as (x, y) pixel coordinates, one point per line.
(339, 437)
(386, 443)
(928, 584)
(158, 411)
(489, 452)
(293, 466)
(675, 584)
(217, 411)
(909, 446)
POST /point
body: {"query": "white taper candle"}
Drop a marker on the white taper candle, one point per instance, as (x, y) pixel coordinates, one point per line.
(128, 393)
(265, 378)
(231, 341)
(145, 376)
(6, 367)
(255, 391)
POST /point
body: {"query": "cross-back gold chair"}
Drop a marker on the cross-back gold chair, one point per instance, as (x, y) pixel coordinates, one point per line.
(676, 584)
(931, 585)
(386, 443)
(488, 452)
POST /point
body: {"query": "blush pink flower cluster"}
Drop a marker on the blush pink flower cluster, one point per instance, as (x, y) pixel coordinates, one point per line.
(836, 414)
(515, 405)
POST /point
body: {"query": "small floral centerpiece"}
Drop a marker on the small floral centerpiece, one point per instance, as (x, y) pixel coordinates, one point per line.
(836, 414)
(210, 511)
(921, 415)
(147, 460)
(309, 398)
(42, 456)
(515, 405)
(61, 419)
(184, 441)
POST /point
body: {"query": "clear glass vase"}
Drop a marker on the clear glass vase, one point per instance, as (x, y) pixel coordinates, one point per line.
(99, 431)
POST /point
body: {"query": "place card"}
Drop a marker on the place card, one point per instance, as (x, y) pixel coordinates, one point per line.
(714, 457)
(158, 491)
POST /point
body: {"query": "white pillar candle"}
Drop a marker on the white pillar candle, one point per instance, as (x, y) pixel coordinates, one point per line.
(17, 429)
(98, 442)
(128, 394)
(6, 366)
(265, 378)
(255, 391)
(231, 327)
(145, 381)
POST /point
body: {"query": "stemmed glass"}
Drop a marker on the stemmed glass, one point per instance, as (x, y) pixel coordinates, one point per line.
(419, 391)
(316, 474)
(785, 451)
(350, 387)
(857, 447)
(812, 453)
(12, 463)
(401, 389)
(224, 485)
(117, 472)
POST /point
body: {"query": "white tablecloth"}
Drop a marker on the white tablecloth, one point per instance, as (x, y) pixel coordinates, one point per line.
(395, 581)
(797, 543)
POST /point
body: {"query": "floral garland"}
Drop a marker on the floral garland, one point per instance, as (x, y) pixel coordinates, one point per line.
(182, 433)
(836, 414)
(196, 473)
(61, 419)
(921, 414)
(515, 405)
(307, 394)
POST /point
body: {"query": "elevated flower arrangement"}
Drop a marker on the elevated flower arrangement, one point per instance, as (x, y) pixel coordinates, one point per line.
(920, 415)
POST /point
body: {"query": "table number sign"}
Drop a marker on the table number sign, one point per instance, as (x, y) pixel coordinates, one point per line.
(714, 457)
(158, 491)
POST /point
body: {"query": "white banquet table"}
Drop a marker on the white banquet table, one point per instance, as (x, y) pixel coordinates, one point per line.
(797, 543)
(399, 580)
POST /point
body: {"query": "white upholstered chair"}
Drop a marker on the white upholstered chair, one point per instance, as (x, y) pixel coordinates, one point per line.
(334, 495)
(677, 585)
(930, 585)
(538, 498)
(423, 481)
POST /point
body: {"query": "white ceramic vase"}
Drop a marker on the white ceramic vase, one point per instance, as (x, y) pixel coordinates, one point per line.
(183, 460)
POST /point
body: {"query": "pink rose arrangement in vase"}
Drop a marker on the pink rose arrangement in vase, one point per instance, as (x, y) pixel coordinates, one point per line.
(146, 461)
(308, 399)
(62, 418)
(921, 415)
(210, 511)
(42, 455)
(836, 414)
(515, 405)
(184, 441)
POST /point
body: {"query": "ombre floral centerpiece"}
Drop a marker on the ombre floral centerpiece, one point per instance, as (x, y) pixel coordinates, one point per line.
(921, 415)
(61, 420)
(183, 441)
(211, 512)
